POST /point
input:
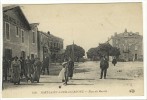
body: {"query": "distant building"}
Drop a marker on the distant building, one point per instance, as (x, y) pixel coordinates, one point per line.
(130, 45)
(49, 45)
(19, 37)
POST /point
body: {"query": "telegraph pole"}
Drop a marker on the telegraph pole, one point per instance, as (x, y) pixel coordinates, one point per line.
(73, 52)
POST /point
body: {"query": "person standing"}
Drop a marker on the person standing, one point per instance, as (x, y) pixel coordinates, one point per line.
(45, 65)
(104, 64)
(16, 70)
(62, 72)
(70, 68)
(28, 68)
(37, 69)
(114, 61)
(5, 68)
(22, 62)
(66, 73)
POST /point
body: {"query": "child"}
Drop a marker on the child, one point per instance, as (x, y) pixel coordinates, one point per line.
(62, 72)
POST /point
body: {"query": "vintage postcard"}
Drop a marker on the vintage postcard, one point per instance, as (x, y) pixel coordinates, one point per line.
(72, 50)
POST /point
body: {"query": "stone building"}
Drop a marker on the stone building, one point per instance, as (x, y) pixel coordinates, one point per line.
(49, 45)
(19, 37)
(130, 45)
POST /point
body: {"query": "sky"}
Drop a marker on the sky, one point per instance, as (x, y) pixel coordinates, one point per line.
(86, 24)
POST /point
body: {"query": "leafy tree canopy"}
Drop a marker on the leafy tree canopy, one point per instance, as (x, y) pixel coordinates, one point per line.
(75, 50)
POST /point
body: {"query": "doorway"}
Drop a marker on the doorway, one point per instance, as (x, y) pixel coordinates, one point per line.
(135, 56)
(8, 54)
(23, 54)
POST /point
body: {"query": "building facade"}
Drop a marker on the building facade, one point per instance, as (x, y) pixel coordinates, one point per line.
(49, 45)
(130, 45)
(19, 37)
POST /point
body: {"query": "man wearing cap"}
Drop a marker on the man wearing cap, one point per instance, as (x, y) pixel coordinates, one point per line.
(104, 64)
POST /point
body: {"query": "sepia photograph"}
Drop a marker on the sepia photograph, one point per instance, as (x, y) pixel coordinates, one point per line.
(72, 50)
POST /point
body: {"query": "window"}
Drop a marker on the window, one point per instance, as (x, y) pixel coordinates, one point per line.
(54, 44)
(33, 37)
(136, 47)
(22, 36)
(7, 31)
(17, 31)
(32, 56)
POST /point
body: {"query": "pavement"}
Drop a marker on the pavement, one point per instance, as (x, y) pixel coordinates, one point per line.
(124, 79)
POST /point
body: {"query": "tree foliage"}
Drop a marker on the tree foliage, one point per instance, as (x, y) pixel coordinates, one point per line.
(115, 52)
(103, 49)
(92, 53)
(79, 52)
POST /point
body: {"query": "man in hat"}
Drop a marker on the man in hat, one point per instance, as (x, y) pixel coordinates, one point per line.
(104, 64)
(70, 68)
(45, 65)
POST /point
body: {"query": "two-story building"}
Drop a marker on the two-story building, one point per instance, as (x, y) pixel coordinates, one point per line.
(49, 45)
(130, 45)
(19, 37)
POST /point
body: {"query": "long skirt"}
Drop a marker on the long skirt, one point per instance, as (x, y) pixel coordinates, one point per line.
(70, 72)
(62, 74)
(36, 74)
(16, 75)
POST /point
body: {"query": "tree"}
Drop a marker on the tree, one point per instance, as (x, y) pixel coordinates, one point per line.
(79, 52)
(115, 52)
(93, 53)
(108, 50)
(104, 49)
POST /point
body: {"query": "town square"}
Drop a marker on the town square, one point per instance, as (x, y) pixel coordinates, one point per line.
(66, 50)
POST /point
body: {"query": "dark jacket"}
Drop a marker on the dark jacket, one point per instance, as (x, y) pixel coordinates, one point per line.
(104, 64)
(114, 61)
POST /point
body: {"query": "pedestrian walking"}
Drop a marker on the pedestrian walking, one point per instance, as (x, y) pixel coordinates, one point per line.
(104, 64)
(114, 61)
(45, 65)
(5, 68)
(70, 68)
(37, 70)
(16, 70)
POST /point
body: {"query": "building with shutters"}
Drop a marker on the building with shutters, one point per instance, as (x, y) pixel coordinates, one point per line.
(49, 45)
(19, 37)
(130, 45)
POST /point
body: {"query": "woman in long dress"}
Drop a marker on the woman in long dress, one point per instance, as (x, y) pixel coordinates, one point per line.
(63, 75)
(16, 70)
(37, 70)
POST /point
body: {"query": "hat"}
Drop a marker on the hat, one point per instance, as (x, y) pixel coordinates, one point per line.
(64, 63)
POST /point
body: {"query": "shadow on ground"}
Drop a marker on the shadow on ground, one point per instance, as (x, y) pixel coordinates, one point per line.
(120, 78)
(79, 70)
(83, 79)
(51, 82)
(80, 84)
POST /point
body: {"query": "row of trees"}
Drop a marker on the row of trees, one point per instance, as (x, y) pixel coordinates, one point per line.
(103, 49)
(77, 52)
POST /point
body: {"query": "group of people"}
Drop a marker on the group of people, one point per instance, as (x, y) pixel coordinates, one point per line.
(32, 68)
(28, 68)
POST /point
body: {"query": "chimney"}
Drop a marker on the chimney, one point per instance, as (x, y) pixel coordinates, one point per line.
(115, 33)
(48, 32)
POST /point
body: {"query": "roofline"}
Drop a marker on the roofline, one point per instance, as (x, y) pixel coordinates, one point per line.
(50, 35)
(27, 22)
(25, 18)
